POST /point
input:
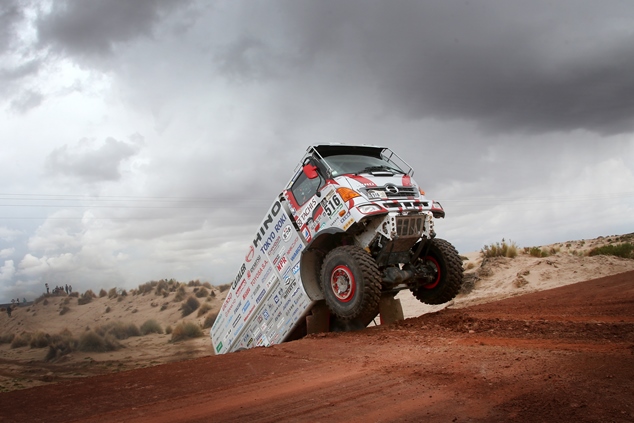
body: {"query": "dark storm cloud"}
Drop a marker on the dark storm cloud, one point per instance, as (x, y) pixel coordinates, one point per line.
(11, 14)
(94, 27)
(91, 164)
(510, 66)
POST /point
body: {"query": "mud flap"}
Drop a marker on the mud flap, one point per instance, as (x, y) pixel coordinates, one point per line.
(390, 309)
(319, 319)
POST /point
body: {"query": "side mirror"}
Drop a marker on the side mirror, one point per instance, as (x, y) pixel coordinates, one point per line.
(310, 171)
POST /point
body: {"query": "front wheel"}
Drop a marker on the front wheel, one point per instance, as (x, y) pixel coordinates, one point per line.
(445, 265)
(350, 281)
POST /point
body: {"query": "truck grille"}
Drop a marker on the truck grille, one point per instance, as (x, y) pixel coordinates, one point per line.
(409, 225)
(392, 191)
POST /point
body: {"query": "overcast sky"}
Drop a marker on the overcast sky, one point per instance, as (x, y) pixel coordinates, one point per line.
(146, 139)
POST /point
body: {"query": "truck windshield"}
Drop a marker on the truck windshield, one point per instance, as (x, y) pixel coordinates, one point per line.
(352, 163)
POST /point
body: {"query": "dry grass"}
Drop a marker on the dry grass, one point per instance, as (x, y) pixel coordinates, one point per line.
(203, 309)
(210, 319)
(189, 306)
(498, 249)
(186, 330)
(91, 341)
(151, 326)
(118, 330)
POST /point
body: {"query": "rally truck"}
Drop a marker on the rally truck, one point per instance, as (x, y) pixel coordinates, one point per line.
(351, 229)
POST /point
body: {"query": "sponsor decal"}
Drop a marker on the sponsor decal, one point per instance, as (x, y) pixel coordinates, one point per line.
(295, 269)
(267, 243)
(266, 315)
(281, 264)
(249, 313)
(274, 279)
(259, 272)
(235, 322)
(275, 209)
(289, 288)
(286, 234)
(276, 299)
(307, 212)
(219, 347)
(306, 234)
(260, 296)
(275, 245)
(253, 266)
(280, 223)
(250, 342)
(246, 293)
(226, 301)
(250, 254)
(243, 269)
(290, 249)
(287, 304)
(348, 224)
(295, 292)
(331, 205)
(242, 285)
(260, 319)
(296, 252)
(246, 306)
(344, 217)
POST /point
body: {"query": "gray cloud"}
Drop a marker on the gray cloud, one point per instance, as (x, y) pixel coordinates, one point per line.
(11, 14)
(94, 27)
(89, 163)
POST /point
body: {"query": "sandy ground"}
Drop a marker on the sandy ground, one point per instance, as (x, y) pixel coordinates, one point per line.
(336, 366)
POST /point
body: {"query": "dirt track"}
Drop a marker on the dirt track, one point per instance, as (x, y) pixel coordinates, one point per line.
(561, 355)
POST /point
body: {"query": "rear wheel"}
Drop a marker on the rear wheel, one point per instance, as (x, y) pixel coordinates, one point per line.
(350, 281)
(444, 263)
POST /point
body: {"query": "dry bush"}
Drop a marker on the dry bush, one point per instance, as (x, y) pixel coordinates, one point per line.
(21, 340)
(498, 249)
(86, 297)
(180, 294)
(118, 330)
(102, 293)
(108, 309)
(61, 344)
(210, 319)
(112, 293)
(64, 310)
(193, 283)
(625, 250)
(164, 306)
(91, 341)
(45, 302)
(146, 287)
(186, 330)
(202, 292)
(203, 309)
(39, 340)
(189, 306)
(161, 287)
(537, 252)
(6, 338)
(74, 294)
(207, 285)
(168, 329)
(151, 326)
(66, 301)
(223, 288)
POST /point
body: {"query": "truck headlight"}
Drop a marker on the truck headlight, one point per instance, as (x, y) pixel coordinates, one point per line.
(369, 208)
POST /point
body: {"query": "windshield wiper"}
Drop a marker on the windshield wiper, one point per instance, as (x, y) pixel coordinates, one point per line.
(383, 168)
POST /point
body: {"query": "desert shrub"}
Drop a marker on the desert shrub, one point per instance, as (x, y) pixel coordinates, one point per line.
(151, 326)
(202, 292)
(60, 344)
(161, 287)
(108, 309)
(180, 294)
(203, 309)
(45, 302)
(86, 297)
(625, 250)
(498, 249)
(209, 320)
(39, 340)
(146, 287)
(66, 301)
(102, 293)
(40, 298)
(537, 252)
(207, 285)
(189, 306)
(164, 306)
(74, 294)
(223, 288)
(6, 338)
(21, 340)
(193, 283)
(118, 330)
(186, 330)
(91, 341)
(112, 293)
(64, 310)
(168, 329)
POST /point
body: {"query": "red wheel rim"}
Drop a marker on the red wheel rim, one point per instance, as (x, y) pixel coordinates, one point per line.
(433, 284)
(342, 283)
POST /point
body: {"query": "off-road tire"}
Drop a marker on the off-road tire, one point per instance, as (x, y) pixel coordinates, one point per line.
(444, 256)
(350, 266)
